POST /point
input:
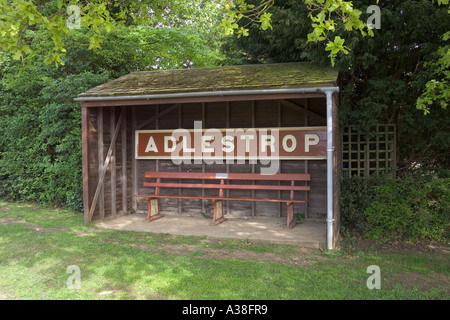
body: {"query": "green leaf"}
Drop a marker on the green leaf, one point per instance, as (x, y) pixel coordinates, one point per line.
(17, 55)
(265, 21)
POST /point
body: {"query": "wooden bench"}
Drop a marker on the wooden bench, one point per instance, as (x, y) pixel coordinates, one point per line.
(216, 181)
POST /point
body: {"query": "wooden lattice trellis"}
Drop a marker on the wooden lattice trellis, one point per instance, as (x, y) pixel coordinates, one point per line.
(367, 153)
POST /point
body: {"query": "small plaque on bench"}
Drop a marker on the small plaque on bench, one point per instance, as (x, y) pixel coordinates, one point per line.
(221, 175)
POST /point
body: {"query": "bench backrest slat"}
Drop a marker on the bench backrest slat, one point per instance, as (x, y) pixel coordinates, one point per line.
(226, 186)
(228, 176)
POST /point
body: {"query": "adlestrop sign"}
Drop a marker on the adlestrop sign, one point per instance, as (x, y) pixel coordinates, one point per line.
(232, 144)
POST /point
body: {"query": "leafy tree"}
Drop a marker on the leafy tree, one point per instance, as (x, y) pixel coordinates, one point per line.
(382, 76)
(62, 18)
(327, 17)
(40, 129)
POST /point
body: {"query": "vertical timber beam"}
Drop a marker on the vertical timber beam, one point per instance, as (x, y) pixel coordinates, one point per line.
(290, 209)
(290, 223)
(134, 162)
(124, 165)
(180, 166)
(218, 207)
(153, 212)
(281, 164)
(227, 165)
(85, 160)
(155, 203)
(156, 128)
(253, 161)
(100, 147)
(306, 163)
(112, 125)
(203, 161)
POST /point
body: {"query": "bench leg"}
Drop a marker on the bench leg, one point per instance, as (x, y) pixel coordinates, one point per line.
(153, 209)
(218, 212)
(290, 215)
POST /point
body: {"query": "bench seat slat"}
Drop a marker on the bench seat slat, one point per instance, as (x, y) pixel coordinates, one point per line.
(152, 196)
(229, 176)
(226, 186)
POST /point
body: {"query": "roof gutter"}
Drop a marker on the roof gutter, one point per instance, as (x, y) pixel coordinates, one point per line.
(207, 94)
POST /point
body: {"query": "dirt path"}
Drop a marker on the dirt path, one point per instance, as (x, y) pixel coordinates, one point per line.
(33, 226)
(302, 257)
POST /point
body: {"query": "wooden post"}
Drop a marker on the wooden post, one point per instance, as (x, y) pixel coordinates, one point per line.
(124, 166)
(180, 166)
(306, 163)
(218, 212)
(101, 156)
(134, 162)
(290, 215)
(281, 164)
(112, 125)
(290, 209)
(227, 165)
(253, 165)
(153, 212)
(218, 208)
(203, 162)
(85, 160)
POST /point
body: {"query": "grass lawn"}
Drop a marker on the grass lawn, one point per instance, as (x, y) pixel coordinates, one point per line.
(37, 245)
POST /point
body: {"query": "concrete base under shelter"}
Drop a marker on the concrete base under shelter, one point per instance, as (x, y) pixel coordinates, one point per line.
(310, 234)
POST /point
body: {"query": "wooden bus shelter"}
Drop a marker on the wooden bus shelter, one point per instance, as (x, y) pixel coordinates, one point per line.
(128, 126)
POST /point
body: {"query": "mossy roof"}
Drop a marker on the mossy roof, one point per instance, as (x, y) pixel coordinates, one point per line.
(244, 77)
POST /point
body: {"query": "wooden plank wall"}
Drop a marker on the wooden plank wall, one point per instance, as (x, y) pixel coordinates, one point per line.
(124, 176)
(115, 196)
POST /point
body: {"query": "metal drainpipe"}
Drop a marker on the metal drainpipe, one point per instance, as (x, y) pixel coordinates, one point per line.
(330, 151)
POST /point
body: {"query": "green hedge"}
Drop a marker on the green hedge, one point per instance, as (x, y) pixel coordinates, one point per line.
(413, 207)
(40, 123)
(357, 195)
(40, 153)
